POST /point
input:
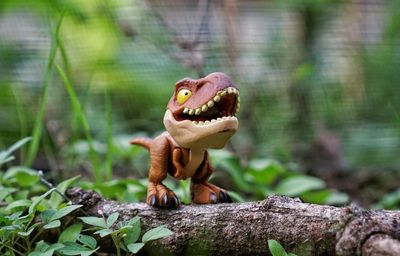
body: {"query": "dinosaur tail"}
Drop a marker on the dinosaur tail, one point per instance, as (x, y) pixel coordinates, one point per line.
(142, 141)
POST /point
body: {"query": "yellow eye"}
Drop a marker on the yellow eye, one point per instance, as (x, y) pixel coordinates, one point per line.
(183, 95)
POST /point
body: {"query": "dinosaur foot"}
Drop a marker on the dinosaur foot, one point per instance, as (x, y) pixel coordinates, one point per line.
(206, 193)
(159, 195)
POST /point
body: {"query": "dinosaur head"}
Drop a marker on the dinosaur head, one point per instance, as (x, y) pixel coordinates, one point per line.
(202, 113)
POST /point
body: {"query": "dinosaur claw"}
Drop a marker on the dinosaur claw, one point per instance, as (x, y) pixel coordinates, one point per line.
(223, 198)
(175, 200)
(153, 200)
(213, 198)
(228, 198)
(164, 200)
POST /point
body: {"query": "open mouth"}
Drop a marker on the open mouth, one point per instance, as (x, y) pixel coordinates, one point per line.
(223, 106)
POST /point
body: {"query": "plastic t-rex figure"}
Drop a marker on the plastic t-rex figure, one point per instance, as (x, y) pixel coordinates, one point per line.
(201, 114)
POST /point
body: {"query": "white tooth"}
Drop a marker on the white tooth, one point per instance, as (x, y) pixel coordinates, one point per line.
(210, 104)
(238, 105)
(201, 122)
(229, 90)
(217, 98)
(207, 122)
(191, 111)
(223, 93)
(235, 91)
(194, 122)
(224, 118)
(219, 118)
(213, 120)
(238, 99)
(197, 111)
(185, 110)
(204, 108)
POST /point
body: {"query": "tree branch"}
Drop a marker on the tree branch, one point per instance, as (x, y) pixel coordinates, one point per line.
(244, 228)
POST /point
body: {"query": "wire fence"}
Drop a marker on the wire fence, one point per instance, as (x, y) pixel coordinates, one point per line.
(307, 71)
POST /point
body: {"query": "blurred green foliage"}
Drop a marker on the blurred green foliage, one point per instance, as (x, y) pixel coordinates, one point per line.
(84, 77)
(124, 50)
(28, 209)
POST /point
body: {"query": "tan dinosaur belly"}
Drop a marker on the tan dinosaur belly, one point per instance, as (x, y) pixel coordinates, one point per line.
(194, 162)
(190, 162)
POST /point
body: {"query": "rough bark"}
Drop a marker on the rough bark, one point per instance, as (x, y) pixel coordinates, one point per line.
(244, 228)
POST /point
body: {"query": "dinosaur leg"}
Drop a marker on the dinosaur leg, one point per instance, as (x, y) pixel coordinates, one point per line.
(157, 193)
(206, 193)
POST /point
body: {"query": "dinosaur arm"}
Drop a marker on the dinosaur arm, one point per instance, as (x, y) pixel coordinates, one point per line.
(176, 161)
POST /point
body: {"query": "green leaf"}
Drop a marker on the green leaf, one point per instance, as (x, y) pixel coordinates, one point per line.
(56, 199)
(104, 232)
(64, 211)
(276, 248)
(134, 233)
(46, 215)
(24, 176)
(71, 233)
(4, 159)
(12, 228)
(18, 144)
(29, 231)
(40, 247)
(264, 171)
(156, 233)
(88, 241)
(5, 155)
(112, 219)
(94, 221)
(135, 248)
(134, 221)
(43, 249)
(53, 224)
(14, 216)
(24, 203)
(316, 197)
(37, 200)
(296, 185)
(4, 192)
(72, 248)
(390, 200)
(337, 198)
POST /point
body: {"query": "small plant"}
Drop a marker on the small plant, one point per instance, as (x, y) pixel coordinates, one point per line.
(264, 176)
(276, 249)
(28, 209)
(125, 235)
(390, 200)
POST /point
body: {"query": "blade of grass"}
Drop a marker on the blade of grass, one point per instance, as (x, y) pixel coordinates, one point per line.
(75, 127)
(22, 118)
(80, 115)
(38, 126)
(64, 55)
(109, 137)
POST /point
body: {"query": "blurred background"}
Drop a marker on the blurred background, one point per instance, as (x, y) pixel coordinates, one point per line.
(319, 83)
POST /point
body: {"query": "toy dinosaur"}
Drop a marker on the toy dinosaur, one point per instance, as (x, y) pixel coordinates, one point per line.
(201, 114)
